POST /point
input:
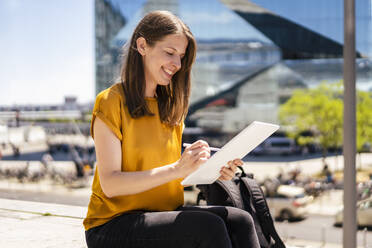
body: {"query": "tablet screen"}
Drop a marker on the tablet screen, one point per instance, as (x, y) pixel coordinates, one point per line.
(237, 147)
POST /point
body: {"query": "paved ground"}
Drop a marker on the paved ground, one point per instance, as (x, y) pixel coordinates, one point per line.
(47, 191)
(37, 224)
(55, 225)
(34, 224)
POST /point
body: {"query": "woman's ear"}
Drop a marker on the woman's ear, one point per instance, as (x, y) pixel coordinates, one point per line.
(141, 45)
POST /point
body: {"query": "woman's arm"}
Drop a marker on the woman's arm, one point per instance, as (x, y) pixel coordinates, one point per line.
(114, 182)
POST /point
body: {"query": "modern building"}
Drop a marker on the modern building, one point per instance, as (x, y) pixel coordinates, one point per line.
(253, 53)
(312, 27)
(108, 21)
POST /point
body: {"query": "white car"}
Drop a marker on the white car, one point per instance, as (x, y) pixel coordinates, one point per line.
(289, 203)
(364, 214)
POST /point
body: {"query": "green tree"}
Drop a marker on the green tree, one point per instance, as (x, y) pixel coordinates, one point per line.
(318, 110)
(364, 122)
(364, 119)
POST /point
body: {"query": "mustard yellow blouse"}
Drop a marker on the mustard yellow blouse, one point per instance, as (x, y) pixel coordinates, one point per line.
(146, 143)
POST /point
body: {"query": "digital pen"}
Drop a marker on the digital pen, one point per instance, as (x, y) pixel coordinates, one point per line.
(213, 149)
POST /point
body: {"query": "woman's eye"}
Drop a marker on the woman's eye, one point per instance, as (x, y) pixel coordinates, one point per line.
(169, 53)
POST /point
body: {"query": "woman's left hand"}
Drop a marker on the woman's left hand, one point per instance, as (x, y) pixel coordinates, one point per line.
(228, 172)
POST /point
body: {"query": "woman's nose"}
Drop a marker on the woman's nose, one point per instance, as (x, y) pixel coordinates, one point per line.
(177, 62)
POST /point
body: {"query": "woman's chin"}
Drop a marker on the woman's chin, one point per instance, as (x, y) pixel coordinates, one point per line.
(164, 82)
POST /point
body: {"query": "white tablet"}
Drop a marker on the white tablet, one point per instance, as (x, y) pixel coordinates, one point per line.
(237, 147)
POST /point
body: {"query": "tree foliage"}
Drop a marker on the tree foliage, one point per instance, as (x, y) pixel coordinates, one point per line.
(364, 119)
(318, 110)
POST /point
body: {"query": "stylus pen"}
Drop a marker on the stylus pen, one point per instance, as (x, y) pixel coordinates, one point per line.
(213, 149)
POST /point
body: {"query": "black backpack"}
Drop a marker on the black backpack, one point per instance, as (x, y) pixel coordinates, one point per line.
(243, 192)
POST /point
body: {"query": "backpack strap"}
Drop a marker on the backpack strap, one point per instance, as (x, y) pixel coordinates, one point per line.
(200, 197)
(242, 172)
(232, 191)
(261, 207)
(223, 193)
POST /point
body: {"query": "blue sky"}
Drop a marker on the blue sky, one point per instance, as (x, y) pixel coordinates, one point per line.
(47, 51)
(47, 46)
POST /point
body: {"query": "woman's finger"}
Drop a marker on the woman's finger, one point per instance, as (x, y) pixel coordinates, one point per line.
(234, 167)
(238, 162)
(223, 177)
(228, 172)
(197, 144)
(198, 151)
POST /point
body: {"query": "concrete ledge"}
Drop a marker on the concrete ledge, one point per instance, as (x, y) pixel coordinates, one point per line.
(43, 208)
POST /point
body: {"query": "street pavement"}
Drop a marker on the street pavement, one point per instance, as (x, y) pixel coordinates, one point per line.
(34, 223)
(269, 169)
(41, 224)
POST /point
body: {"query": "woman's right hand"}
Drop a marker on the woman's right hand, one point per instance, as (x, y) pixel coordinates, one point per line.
(192, 157)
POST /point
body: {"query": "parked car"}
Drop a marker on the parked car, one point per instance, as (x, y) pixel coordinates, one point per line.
(276, 146)
(364, 214)
(289, 203)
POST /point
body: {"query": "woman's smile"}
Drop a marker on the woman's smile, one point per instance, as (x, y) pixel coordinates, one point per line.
(168, 73)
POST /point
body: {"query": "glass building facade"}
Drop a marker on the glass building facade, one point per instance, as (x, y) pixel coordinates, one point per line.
(326, 18)
(252, 54)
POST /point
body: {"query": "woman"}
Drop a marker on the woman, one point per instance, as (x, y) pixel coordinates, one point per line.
(137, 198)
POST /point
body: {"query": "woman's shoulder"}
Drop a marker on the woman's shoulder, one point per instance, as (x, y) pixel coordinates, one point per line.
(108, 107)
(114, 92)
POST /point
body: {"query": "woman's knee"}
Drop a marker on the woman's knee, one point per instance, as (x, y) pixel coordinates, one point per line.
(238, 217)
(206, 222)
(207, 228)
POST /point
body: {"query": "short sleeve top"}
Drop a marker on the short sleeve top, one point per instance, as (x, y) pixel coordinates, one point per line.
(146, 143)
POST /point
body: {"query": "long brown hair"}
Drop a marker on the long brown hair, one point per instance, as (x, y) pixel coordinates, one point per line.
(173, 99)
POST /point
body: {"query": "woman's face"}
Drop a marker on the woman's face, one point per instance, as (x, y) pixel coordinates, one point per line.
(162, 60)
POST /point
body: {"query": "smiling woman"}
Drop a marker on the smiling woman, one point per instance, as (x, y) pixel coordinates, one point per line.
(166, 62)
(137, 196)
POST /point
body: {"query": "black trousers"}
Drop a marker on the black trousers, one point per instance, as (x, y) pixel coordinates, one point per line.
(187, 227)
